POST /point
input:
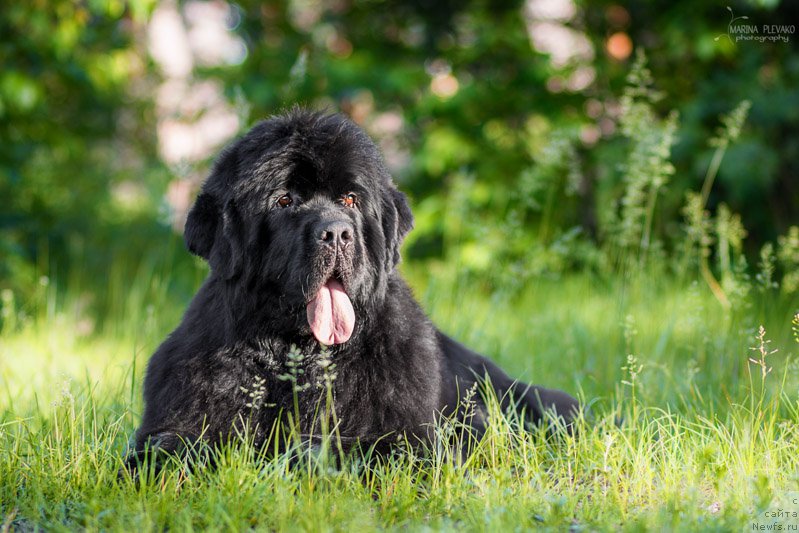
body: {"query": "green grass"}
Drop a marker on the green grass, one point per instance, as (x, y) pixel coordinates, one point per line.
(706, 443)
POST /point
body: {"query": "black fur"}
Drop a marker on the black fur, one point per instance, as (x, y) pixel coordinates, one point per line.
(394, 376)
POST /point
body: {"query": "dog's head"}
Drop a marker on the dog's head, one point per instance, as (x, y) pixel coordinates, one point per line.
(303, 210)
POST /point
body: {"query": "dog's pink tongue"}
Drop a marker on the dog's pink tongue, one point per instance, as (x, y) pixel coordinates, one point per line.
(330, 314)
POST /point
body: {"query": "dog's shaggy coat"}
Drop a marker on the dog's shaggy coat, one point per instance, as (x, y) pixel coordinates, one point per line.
(302, 225)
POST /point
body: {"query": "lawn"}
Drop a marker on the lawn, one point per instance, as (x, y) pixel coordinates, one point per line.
(707, 441)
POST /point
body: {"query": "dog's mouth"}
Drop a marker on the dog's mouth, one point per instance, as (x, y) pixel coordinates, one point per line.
(330, 313)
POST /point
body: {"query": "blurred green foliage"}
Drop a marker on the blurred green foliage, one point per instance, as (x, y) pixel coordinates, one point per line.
(511, 161)
(70, 132)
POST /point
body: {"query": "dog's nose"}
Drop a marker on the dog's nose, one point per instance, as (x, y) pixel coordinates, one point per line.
(335, 233)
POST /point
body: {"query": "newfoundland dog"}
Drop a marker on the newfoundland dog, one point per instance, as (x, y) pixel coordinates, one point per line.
(302, 226)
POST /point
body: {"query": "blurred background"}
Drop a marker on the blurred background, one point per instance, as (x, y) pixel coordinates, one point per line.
(535, 138)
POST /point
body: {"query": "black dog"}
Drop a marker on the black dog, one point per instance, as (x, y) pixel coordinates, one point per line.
(301, 224)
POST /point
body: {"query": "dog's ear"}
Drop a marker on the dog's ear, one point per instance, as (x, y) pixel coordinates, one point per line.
(215, 234)
(398, 222)
(227, 256)
(213, 230)
(404, 212)
(200, 230)
(203, 221)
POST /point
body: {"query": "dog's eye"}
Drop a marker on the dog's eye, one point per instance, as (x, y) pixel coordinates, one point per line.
(284, 201)
(349, 200)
